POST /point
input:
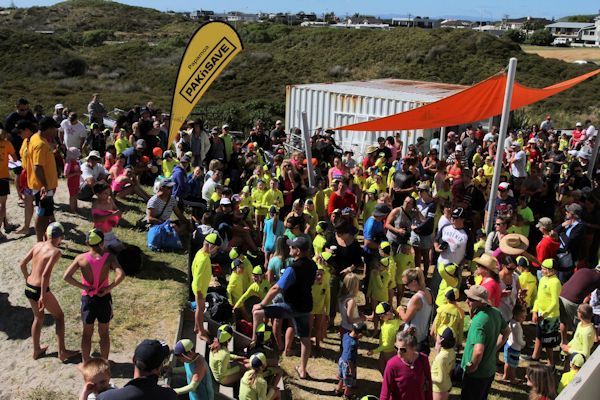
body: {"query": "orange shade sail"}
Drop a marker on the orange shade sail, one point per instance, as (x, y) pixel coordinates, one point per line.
(481, 101)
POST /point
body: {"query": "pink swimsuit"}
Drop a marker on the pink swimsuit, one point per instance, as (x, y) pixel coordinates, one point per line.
(96, 265)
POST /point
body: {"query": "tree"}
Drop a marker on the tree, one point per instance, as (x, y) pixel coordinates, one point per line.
(533, 25)
(515, 35)
(541, 37)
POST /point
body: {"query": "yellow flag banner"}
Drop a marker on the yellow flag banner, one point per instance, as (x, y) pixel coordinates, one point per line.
(210, 49)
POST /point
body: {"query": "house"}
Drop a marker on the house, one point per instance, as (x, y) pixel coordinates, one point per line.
(302, 16)
(203, 15)
(418, 22)
(491, 29)
(570, 31)
(363, 24)
(525, 24)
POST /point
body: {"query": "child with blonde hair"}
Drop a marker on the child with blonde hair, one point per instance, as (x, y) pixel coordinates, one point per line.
(96, 378)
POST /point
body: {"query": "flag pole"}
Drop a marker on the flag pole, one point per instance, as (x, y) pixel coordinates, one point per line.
(510, 80)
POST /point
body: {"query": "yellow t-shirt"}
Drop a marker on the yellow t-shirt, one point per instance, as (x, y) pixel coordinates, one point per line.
(546, 303)
(6, 148)
(40, 153)
(258, 203)
(583, 340)
(201, 272)
(488, 170)
(403, 262)
(378, 285)
(528, 281)
(256, 392)
(441, 368)
(272, 198)
(452, 316)
(320, 293)
(368, 209)
(565, 379)
(254, 290)
(235, 287)
(123, 144)
(167, 167)
(387, 337)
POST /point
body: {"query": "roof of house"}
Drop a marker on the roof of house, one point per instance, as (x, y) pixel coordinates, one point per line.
(570, 25)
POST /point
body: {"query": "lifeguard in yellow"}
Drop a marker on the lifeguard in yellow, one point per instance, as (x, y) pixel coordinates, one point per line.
(378, 287)
(319, 240)
(449, 274)
(450, 314)
(237, 254)
(236, 285)
(260, 210)
(273, 196)
(201, 275)
(258, 288)
(321, 298)
(225, 371)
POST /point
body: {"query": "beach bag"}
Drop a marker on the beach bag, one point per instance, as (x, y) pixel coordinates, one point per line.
(219, 308)
(131, 260)
(163, 237)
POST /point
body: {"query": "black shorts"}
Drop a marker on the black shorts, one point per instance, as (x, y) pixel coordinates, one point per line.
(45, 206)
(4, 187)
(547, 331)
(34, 292)
(96, 308)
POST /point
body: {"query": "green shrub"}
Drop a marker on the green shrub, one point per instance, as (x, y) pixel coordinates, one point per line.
(96, 37)
(541, 37)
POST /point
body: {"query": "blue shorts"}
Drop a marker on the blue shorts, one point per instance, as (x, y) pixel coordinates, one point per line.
(511, 356)
(345, 374)
(284, 311)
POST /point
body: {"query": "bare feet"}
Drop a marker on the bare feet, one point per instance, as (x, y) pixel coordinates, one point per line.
(23, 231)
(301, 374)
(40, 352)
(67, 354)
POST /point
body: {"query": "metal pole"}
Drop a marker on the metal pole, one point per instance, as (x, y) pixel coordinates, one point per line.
(591, 166)
(442, 156)
(510, 80)
(308, 151)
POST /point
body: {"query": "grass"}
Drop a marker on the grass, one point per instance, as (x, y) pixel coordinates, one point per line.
(568, 54)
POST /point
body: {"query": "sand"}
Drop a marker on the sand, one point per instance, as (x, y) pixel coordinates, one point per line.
(21, 377)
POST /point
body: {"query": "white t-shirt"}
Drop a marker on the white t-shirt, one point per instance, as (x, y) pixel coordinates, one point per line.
(208, 189)
(73, 135)
(89, 172)
(457, 245)
(516, 340)
(517, 169)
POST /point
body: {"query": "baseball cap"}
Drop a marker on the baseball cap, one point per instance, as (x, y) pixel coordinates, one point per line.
(258, 360)
(183, 346)
(359, 327)
(224, 333)
(458, 212)
(503, 186)
(381, 210)
(383, 308)
(225, 201)
(257, 270)
(166, 183)
(545, 223)
(55, 230)
(141, 143)
(48, 122)
(458, 147)
(237, 263)
(578, 124)
(59, 106)
(94, 237)
(225, 126)
(150, 354)
(94, 125)
(299, 242)
(184, 158)
(213, 238)
(234, 253)
(384, 245)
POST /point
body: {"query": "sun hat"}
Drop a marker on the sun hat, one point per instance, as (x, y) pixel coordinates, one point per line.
(94, 154)
(478, 293)
(514, 244)
(372, 149)
(487, 261)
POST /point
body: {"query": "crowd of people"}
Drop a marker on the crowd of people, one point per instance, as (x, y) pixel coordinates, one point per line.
(394, 243)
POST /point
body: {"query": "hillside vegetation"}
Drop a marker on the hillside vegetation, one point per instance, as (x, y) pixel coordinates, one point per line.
(130, 55)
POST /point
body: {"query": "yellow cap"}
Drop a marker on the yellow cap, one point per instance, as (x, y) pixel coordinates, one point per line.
(257, 270)
(233, 253)
(224, 333)
(548, 263)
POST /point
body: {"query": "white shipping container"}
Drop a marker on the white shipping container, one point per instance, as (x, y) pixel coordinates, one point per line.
(329, 105)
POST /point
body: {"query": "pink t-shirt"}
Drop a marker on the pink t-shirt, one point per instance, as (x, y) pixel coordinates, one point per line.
(493, 289)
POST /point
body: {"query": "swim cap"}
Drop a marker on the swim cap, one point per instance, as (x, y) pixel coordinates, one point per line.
(383, 308)
(183, 346)
(224, 333)
(257, 270)
(94, 237)
(258, 360)
(55, 230)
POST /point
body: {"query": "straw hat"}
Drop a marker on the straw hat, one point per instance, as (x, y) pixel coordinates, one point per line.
(488, 262)
(514, 244)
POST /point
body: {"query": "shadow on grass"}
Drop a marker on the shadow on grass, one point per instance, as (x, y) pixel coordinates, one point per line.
(16, 321)
(154, 269)
(363, 387)
(73, 233)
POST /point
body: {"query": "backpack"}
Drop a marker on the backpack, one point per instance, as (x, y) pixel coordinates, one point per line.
(131, 260)
(163, 237)
(218, 308)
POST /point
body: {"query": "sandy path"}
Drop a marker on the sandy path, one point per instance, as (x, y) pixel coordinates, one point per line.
(19, 373)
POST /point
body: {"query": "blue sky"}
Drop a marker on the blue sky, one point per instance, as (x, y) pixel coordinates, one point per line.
(481, 9)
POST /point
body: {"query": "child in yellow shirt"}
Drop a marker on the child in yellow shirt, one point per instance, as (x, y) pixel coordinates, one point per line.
(378, 287)
(390, 324)
(405, 259)
(443, 363)
(527, 281)
(258, 288)
(235, 287)
(583, 338)
(260, 210)
(385, 251)
(370, 203)
(320, 298)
